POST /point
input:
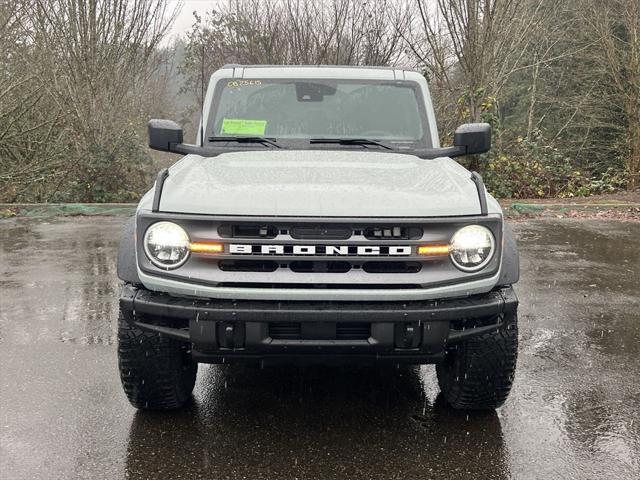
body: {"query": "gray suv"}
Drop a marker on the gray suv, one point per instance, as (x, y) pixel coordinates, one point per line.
(317, 220)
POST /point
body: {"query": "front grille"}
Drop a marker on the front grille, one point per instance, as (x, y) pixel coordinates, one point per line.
(325, 330)
(391, 267)
(306, 266)
(316, 266)
(385, 232)
(311, 253)
(248, 265)
(392, 232)
(248, 231)
(321, 232)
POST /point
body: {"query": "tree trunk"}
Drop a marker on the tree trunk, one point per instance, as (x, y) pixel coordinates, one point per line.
(633, 159)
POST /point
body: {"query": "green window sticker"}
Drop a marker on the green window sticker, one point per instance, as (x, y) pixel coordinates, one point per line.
(239, 126)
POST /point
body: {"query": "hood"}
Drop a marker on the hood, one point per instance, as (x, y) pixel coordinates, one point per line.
(319, 183)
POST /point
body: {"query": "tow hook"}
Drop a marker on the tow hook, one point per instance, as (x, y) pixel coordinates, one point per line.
(407, 335)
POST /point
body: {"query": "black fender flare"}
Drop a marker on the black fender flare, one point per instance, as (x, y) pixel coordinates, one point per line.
(510, 272)
(127, 268)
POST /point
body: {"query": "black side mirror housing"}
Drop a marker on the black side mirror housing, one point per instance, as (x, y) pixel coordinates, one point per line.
(473, 138)
(164, 135)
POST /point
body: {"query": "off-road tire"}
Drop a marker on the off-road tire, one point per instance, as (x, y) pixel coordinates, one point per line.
(157, 372)
(477, 374)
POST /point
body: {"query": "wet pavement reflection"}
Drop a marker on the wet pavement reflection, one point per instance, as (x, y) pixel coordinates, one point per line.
(317, 423)
(573, 412)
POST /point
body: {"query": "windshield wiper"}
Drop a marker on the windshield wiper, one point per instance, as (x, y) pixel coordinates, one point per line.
(261, 140)
(350, 141)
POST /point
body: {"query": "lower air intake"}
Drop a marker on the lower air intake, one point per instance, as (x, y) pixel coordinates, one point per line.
(322, 331)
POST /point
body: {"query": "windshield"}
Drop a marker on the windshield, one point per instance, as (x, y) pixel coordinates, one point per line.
(288, 109)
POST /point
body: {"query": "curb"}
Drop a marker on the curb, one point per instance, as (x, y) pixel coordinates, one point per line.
(517, 209)
(46, 210)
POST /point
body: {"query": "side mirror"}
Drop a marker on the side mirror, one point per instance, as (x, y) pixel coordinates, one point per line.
(473, 138)
(164, 135)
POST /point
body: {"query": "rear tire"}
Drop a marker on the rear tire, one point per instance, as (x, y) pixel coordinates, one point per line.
(477, 374)
(157, 372)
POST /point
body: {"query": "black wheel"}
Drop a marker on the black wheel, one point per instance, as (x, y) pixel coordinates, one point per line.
(157, 372)
(477, 374)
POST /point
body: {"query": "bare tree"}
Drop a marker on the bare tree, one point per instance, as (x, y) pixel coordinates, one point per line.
(307, 32)
(471, 48)
(89, 65)
(30, 145)
(615, 25)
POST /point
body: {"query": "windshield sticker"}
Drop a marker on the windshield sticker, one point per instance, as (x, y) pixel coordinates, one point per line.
(243, 83)
(239, 126)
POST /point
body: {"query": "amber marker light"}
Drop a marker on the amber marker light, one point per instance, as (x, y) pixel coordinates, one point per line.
(433, 250)
(204, 247)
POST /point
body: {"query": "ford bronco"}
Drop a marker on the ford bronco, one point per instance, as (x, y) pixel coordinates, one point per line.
(316, 219)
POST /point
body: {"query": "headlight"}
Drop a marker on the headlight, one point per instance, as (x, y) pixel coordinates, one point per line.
(471, 248)
(166, 244)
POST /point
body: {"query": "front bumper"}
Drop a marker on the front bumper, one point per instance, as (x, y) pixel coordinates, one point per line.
(223, 331)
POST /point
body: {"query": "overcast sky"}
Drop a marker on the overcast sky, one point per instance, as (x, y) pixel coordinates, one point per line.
(184, 20)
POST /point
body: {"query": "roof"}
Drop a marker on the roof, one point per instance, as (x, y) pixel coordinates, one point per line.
(321, 71)
(371, 67)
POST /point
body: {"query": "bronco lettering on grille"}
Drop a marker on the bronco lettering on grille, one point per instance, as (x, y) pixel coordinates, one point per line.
(322, 250)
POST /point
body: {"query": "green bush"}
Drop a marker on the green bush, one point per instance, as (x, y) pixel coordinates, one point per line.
(120, 172)
(530, 168)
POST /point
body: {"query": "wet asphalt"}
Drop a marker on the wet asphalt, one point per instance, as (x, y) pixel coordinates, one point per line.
(572, 414)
